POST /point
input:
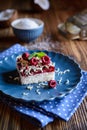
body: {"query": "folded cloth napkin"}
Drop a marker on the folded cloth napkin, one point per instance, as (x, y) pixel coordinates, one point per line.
(44, 112)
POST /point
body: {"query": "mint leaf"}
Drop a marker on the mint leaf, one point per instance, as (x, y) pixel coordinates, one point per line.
(31, 56)
(37, 54)
(40, 54)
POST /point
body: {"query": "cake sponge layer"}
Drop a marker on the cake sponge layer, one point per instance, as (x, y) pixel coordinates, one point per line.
(37, 78)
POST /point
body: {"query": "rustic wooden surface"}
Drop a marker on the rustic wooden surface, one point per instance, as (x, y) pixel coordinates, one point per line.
(59, 11)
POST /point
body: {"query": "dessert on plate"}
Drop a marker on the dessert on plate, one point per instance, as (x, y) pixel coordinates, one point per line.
(34, 68)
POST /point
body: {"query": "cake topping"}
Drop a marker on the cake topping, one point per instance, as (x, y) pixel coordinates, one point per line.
(35, 67)
(34, 61)
(52, 83)
(25, 55)
(51, 68)
(45, 60)
(37, 54)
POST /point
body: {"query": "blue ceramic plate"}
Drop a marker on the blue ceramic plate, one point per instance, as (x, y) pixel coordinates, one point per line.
(67, 76)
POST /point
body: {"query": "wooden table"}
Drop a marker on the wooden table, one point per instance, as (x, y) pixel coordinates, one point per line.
(59, 11)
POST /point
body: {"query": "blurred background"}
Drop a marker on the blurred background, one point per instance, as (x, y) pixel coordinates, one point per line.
(21, 4)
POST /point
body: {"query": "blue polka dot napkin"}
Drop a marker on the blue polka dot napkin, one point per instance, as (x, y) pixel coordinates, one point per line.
(45, 112)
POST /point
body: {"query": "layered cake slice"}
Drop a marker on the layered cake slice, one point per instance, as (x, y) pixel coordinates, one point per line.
(34, 68)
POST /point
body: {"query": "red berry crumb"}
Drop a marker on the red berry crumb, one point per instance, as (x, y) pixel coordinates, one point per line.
(52, 83)
(45, 60)
(25, 55)
(45, 69)
(19, 59)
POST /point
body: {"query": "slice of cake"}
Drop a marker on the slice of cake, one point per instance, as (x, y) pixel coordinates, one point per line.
(34, 68)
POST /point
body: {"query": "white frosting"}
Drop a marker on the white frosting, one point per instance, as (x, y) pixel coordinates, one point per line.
(26, 24)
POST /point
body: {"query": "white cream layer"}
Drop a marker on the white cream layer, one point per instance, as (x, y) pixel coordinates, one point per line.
(37, 78)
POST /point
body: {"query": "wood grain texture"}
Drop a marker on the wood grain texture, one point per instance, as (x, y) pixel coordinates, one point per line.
(59, 11)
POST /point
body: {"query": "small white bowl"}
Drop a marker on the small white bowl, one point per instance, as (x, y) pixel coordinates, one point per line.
(27, 29)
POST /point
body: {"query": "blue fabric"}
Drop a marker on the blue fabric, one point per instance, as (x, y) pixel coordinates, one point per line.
(44, 112)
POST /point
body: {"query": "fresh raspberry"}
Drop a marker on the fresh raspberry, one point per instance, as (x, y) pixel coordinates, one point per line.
(25, 55)
(52, 83)
(33, 61)
(45, 60)
(51, 68)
